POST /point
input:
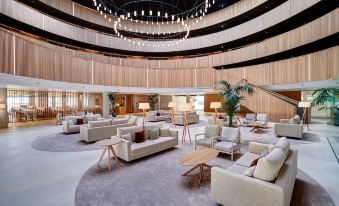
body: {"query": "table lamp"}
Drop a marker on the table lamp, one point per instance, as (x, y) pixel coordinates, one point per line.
(305, 105)
(172, 106)
(215, 106)
(186, 107)
(144, 107)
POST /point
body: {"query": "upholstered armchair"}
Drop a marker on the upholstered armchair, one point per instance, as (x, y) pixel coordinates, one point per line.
(293, 127)
(229, 141)
(262, 119)
(211, 135)
(250, 117)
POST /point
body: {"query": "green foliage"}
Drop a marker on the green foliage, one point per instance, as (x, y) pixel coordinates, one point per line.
(116, 98)
(153, 100)
(231, 95)
(325, 99)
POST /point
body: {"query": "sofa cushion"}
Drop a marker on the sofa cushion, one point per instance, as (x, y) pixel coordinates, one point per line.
(103, 123)
(151, 126)
(132, 130)
(226, 146)
(143, 148)
(284, 145)
(212, 131)
(153, 133)
(80, 121)
(140, 136)
(249, 171)
(164, 142)
(204, 142)
(268, 167)
(173, 132)
(127, 137)
(164, 132)
(229, 134)
(70, 122)
(247, 159)
(239, 169)
(119, 121)
(91, 118)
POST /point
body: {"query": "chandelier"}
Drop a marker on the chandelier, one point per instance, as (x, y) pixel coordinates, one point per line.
(142, 22)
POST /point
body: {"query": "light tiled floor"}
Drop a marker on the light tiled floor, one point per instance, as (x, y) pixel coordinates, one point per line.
(31, 177)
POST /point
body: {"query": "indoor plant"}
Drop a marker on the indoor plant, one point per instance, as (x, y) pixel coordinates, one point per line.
(153, 100)
(114, 98)
(231, 95)
(327, 99)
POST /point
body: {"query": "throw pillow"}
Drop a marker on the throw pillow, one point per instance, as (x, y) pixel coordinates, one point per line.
(284, 145)
(153, 133)
(80, 121)
(221, 117)
(127, 137)
(212, 131)
(164, 132)
(70, 122)
(255, 162)
(249, 171)
(264, 153)
(158, 114)
(140, 137)
(271, 147)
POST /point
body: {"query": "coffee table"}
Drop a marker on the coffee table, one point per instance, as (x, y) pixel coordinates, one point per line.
(198, 158)
(257, 127)
(108, 146)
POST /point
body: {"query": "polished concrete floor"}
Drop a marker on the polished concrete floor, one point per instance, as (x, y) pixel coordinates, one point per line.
(31, 177)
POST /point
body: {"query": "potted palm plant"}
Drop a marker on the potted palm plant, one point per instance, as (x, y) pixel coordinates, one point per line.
(231, 95)
(327, 99)
(153, 100)
(114, 98)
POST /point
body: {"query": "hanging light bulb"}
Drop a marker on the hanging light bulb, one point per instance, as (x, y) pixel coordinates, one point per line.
(135, 13)
(142, 12)
(150, 12)
(158, 13)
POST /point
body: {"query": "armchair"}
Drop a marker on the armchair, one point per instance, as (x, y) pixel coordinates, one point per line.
(262, 119)
(211, 135)
(250, 117)
(229, 141)
(290, 127)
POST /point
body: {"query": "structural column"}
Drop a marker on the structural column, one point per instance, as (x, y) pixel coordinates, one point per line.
(105, 105)
(3, 108)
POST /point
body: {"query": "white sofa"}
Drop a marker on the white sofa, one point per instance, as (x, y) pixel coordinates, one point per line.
(69, 125)
(129, 150)
(192, 118)
(99, 130)
(156, 116)
(232, 187)
(293, 127)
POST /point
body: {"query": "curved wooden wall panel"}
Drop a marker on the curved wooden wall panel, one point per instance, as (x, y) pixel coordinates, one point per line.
(211, 19)
(268, 19)
(33, 60)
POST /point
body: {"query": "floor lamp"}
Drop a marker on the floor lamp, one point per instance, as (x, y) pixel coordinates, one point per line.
(186, 108)
(305, 105)
(172, 106)
(215, 106)
(144, 107)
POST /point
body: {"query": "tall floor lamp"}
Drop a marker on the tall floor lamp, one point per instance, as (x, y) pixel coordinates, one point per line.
(215, 106)
(144, 107)
(172, 106)
(305, 105)
(186, 107)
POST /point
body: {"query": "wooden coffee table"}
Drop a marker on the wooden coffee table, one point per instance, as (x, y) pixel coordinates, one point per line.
(108, 146)
(198, 158)
(257, 127)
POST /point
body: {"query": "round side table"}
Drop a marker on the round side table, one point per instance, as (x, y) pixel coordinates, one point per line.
(107, 145)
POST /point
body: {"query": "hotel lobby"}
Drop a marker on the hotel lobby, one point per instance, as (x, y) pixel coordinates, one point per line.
(169, 102)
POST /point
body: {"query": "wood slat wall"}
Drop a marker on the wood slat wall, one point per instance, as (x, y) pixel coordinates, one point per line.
(280, 13)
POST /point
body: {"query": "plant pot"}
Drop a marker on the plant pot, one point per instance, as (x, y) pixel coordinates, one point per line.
(114, 114)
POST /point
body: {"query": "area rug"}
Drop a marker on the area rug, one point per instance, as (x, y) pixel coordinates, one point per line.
(61, 142)
(157, 180)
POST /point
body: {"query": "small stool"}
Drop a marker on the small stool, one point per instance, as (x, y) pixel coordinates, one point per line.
(108, 146)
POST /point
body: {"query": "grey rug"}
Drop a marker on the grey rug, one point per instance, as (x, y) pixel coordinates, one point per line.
(61, 142)
(157, 180)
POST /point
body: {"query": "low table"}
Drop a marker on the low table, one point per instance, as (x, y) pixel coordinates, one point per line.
(257, 127)
(198, 158)
(108, 146)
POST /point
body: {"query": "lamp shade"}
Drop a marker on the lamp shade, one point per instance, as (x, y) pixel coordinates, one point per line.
(304, 104)
(2, 106)
(171, 104)
(215, 105)
(186, 107)
(144, 106)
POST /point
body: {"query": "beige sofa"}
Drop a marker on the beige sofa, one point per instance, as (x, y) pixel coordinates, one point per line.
(69, 125)
(232, 187)
(192, 118)
(129, 150)
(151, 116)
(289, 128)
(99, 130)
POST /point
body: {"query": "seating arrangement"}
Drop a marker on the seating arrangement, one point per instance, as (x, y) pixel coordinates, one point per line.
(293, 127)
(229, 141)
(72, 124)
(262, 119)
(192, 118)
(129, 150)
(249, 118)
(270, 182)
(211, 134)
(158, 115)
(104, 129)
